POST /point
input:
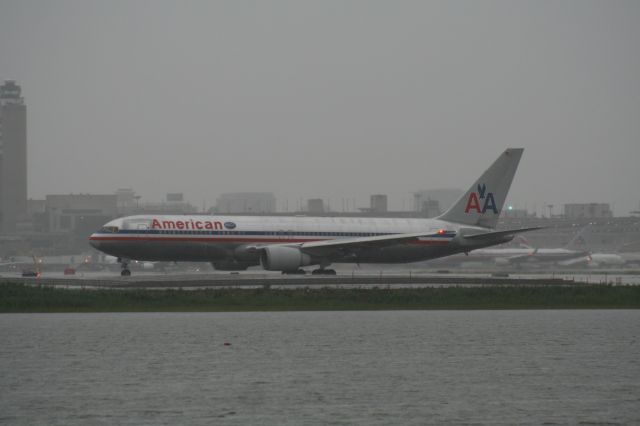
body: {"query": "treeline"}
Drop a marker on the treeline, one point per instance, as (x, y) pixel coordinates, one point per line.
(21, 298)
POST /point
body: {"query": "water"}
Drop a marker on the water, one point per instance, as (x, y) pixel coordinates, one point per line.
(395, 367)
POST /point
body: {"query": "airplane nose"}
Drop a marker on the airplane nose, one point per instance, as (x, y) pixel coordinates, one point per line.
(94, 242)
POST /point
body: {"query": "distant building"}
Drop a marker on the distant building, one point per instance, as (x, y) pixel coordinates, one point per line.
(424, 200)
(315, 206)
(587, 211)
(166, 207)
(515, 213)
(175, 197)
(246, 202)
(79, 213)
(430, 208)
(174, 204)
(127, 200)
(13, 157)
(35, 207)
(379, 203)
(36, 212)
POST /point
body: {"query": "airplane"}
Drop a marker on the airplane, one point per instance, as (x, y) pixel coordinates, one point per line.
(517, 256)
(31, 265)
(619, 258)
(288, 244)
(530, 254)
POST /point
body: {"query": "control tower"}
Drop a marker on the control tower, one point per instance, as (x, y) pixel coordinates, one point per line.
(13, 157)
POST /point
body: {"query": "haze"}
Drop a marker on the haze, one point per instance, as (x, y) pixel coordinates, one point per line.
(328, 99)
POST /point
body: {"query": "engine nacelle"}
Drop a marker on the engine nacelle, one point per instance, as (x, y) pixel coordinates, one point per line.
(282, 258)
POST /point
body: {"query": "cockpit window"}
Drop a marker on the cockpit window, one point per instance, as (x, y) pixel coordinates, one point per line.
(109, 230)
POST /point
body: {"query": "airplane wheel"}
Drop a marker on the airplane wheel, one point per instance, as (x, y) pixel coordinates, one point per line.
(125, 273)
(329, 271)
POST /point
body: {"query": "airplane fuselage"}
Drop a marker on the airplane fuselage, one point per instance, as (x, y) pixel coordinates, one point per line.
(288, 243)
(223, 238)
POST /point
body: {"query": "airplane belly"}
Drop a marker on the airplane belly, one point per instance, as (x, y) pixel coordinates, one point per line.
(176, 251)
(398, 254)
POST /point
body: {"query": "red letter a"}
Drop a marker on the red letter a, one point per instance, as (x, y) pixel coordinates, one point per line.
(472, 203)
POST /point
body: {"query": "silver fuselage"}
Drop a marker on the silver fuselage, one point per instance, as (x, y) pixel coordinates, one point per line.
(216, 238)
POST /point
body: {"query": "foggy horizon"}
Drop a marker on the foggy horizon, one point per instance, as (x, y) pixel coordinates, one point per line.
(332, 100)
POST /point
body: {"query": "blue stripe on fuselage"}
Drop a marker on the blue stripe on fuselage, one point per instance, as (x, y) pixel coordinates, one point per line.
(265, 233)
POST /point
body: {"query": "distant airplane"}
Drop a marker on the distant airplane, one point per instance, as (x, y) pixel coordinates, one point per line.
(620, 258)
(518, 256)
(532, 254)
(288, 244)
(30, 265)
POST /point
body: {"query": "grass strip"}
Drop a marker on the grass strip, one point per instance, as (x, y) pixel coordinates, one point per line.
(16, 298)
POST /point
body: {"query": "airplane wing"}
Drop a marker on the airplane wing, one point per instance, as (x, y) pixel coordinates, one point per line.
(320, 248)
(387, 240)
(327, 247)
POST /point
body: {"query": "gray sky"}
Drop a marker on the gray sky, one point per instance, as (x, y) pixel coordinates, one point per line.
(328, 99)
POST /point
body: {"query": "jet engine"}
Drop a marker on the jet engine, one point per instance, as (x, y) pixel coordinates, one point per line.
(282, 258)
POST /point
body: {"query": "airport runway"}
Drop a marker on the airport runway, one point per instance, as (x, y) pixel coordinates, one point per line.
(276, 280)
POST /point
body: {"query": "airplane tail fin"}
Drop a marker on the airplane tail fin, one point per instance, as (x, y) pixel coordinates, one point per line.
(524, 243)
(482, 203)
(578, 242)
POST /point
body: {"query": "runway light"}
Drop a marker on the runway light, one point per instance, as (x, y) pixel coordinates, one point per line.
(510, 207)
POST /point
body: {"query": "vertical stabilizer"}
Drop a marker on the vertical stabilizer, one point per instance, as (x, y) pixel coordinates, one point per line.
(579, 242)
(482, 203)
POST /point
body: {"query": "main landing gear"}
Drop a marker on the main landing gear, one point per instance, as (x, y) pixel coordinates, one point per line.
(124, 263)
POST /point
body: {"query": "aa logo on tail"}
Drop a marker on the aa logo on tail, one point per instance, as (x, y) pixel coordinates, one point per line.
(489, 203)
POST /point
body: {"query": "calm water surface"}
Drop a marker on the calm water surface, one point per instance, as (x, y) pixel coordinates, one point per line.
(415, 367)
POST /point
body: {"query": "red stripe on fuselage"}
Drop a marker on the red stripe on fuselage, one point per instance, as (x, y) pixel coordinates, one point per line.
(240, 240)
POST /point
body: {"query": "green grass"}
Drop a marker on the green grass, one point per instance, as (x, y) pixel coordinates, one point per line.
(21, 298)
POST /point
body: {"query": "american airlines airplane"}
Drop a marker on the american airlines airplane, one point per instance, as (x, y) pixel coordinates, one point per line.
(288, 244)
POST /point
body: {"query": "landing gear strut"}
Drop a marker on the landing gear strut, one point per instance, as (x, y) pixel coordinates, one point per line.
(124, 263)
(322, 270)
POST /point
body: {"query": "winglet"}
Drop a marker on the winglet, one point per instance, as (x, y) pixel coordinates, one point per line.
(482, 203)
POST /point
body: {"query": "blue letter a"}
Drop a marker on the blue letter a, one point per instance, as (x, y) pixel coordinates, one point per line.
(490, 203)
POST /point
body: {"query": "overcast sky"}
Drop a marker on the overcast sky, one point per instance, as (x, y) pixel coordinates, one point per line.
(328, 99)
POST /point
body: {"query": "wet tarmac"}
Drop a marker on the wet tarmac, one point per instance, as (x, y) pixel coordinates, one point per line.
(352, 278)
